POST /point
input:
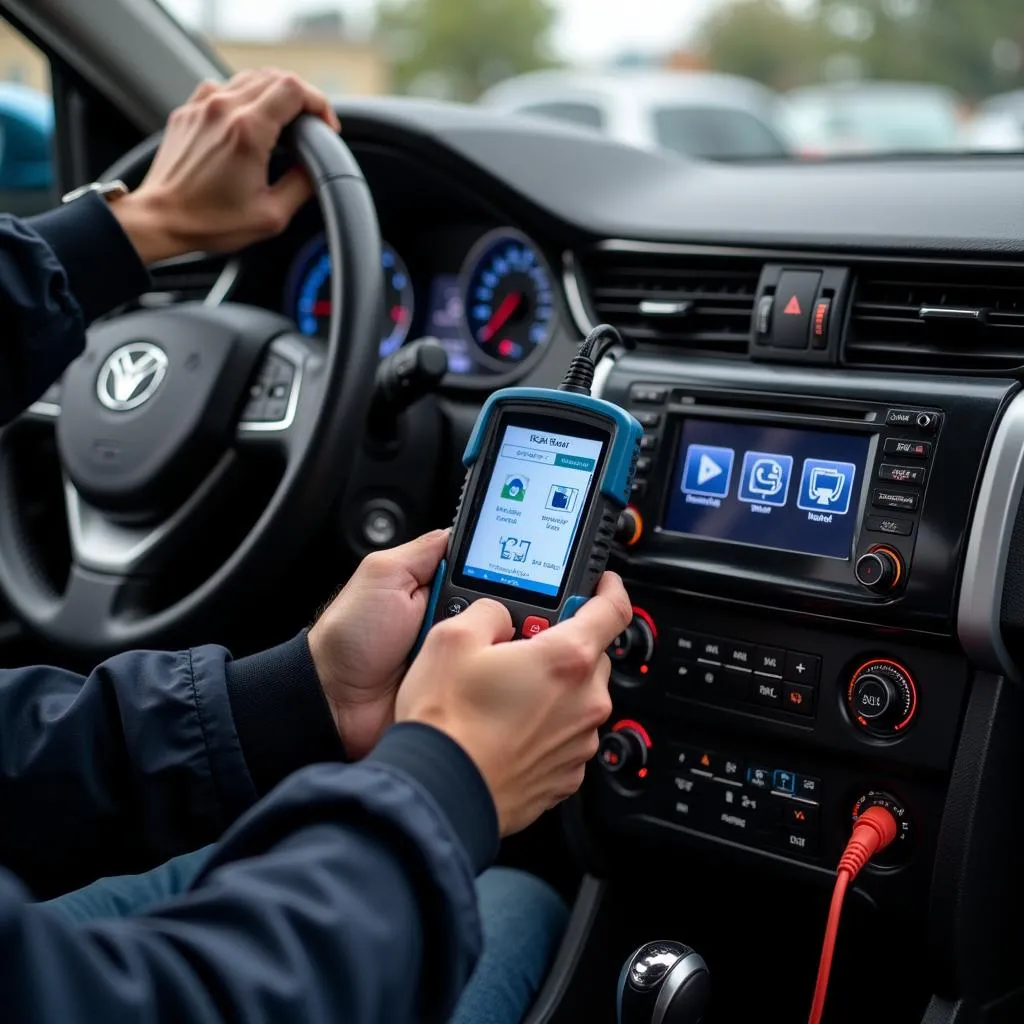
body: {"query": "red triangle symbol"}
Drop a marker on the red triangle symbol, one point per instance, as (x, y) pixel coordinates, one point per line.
(793, 307)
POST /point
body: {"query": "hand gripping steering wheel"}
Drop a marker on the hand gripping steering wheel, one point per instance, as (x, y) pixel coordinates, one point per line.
(158, 411)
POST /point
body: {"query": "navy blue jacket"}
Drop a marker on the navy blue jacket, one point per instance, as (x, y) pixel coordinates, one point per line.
(340, 894)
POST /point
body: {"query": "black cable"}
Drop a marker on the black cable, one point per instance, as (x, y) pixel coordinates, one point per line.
(580, 375)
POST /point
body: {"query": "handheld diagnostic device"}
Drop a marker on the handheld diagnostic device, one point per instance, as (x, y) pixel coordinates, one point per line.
(548, 472)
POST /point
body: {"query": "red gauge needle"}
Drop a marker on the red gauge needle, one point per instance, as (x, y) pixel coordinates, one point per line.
(508, 306)
(322, 307)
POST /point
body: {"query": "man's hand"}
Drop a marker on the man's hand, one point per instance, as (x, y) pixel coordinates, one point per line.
(361, 642)
(526, 711)
(207, 187)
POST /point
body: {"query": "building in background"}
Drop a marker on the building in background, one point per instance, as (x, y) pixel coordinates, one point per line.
(317, 49)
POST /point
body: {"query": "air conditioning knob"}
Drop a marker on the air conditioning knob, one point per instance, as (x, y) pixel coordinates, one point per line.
(880, 570)
(632, 650)
(882, 697)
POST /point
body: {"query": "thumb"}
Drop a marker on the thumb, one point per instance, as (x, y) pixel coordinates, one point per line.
(421, 557)
(289, 193)
(488, 621)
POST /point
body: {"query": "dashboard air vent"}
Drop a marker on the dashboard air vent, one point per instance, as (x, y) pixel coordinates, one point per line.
(940, 318)
(695, 303)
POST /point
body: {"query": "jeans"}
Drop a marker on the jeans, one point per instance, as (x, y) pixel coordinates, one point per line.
(523, 921)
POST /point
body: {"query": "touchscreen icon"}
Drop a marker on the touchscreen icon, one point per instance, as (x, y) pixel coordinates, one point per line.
(826, 486)
(707, 470)
(562, 499)
(514, 488)
(514, 550)
(765, 479)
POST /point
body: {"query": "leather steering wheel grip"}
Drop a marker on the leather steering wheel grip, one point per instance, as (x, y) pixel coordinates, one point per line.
(322, 449)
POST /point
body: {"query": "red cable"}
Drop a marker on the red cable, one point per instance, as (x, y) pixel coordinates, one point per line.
(874, 830)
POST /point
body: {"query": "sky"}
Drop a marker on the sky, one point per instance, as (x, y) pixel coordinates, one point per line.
(588, 30)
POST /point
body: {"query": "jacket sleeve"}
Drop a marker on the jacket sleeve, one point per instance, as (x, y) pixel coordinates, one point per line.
(347, 895)
(152, 755)
(58, 272)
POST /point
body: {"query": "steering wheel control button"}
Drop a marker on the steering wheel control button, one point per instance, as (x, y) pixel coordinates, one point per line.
(455, 606)
(893, 525)
(819, 323)
(882, 697)
(802, 668)
(270, 391)
(911, 475)
(534, 624)
(906, 448)
(794, 301)
(797, 699)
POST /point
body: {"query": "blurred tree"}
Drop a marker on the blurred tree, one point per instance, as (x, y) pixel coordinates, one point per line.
(974, 46)
(458, 48)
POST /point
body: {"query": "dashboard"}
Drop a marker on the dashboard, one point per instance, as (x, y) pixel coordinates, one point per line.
(825, 539)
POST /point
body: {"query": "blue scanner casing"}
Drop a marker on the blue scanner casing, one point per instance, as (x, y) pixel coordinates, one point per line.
(608, 495)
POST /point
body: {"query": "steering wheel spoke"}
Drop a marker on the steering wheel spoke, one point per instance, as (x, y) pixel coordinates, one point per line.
(283, 397)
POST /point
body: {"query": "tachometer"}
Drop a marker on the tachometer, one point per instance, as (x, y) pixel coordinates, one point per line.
(311, 294)
(508, 296)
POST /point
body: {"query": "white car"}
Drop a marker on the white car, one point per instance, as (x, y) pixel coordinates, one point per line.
(696, 114)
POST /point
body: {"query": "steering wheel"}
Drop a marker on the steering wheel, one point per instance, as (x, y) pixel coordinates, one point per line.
(162, 406)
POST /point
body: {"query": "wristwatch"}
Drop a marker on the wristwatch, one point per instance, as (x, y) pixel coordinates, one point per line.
(108, 189)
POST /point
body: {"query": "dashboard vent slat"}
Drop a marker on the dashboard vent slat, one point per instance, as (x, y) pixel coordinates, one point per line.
(937, 317)
(698, 304)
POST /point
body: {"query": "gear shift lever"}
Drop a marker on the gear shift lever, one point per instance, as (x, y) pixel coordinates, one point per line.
(663, 983)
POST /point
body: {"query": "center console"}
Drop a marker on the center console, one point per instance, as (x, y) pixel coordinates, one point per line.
(793, 550)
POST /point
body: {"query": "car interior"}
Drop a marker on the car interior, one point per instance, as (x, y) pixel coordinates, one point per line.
(824, 544)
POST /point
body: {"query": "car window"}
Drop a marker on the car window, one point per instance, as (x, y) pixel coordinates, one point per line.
(28, 180)
(585, 114)
(715, 133)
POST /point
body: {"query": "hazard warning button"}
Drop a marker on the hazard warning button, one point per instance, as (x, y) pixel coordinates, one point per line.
(794, 306)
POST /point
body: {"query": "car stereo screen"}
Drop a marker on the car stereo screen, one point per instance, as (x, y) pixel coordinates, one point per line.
(774, 487)
(535, 499)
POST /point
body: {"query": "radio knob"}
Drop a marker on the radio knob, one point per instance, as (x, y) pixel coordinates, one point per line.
(882, 697)
(633, 649)
(880, 570)
(630, 527)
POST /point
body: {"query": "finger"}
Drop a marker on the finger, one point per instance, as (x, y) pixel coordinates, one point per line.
(286, 96)
(598, 622)
(287, 196)
(205, 88)
(486, 620)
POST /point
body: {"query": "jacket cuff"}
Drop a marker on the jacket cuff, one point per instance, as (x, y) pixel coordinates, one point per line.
(280, 712)
(437, 764)
(76, 233)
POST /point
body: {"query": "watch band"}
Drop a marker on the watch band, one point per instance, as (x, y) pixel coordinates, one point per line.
(108, 189)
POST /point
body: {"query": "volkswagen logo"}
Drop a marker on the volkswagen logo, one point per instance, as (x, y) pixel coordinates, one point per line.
(131, 375)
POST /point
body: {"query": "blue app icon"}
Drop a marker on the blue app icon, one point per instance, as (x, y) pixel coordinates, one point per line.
(826, 486)
(708, 470)
(765, 478)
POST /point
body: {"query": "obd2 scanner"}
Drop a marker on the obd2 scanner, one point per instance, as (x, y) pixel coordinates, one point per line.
(548, 472)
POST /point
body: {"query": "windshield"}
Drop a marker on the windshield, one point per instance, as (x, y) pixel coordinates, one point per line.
(712, 79)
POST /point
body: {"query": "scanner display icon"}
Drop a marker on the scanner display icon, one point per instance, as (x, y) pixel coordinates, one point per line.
(708, 470)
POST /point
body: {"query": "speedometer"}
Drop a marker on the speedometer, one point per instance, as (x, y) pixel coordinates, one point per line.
(508, 296)
(310, 291)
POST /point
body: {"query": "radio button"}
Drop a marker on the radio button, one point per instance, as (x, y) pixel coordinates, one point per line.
(900, 417)
(889, 524)
(739, 655)
(648, 442)
(794, 841)
(646, 418)
(913, 475)
(759, 778)
(687, 644)
(802, 668)
(895, 499)
(712, 649)
(797, 699)
(647, 394)
(798, 816)
(769, 661)
(767, 692)
(643, 464)
(639, 489)
(907, 448)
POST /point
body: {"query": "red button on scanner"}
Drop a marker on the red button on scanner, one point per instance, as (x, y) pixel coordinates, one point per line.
(534, 624)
